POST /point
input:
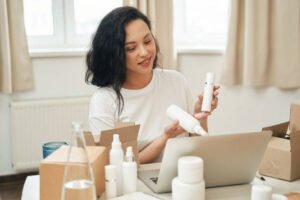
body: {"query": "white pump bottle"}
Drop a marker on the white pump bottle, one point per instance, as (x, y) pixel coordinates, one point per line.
(116, 158)
(208, 93)
(186, 121)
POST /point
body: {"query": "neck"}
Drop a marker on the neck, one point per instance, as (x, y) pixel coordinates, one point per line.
(136, 82)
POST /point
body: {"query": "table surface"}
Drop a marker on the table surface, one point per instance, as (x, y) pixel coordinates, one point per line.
(240, 192)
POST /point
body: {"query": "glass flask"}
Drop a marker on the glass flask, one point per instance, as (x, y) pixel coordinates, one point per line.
(78, 182)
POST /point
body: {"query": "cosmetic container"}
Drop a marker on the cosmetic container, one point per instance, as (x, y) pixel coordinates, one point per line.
(261, 192)
(116, 158)
(110, 181)
(186, 121)
(208, 93)
(279, 197)
(189, 185)
(129, 172)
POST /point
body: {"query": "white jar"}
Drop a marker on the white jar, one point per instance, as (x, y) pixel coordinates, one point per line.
(187, 191)
(261, 192)
(190, 169)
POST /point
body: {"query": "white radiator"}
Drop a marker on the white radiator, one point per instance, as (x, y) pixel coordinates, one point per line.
(34, 123)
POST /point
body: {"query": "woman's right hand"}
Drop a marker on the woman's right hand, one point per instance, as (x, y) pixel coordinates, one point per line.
(173, 130)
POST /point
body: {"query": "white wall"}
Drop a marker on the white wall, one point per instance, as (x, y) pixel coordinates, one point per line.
(240, 109)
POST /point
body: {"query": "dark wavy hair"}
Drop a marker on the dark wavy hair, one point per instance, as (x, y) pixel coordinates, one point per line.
(106, 59)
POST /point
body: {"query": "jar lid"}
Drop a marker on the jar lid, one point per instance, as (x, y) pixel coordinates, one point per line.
(190, 162)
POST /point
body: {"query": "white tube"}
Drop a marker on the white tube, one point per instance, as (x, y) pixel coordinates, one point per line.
(129, 172)
(186, 121)
(208, 93)
(110, 181)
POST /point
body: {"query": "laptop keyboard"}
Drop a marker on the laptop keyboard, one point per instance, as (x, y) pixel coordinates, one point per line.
(154, 179)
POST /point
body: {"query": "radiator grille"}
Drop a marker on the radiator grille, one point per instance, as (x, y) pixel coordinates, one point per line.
(34, 123)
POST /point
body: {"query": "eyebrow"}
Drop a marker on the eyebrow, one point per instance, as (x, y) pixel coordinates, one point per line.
(127, 43)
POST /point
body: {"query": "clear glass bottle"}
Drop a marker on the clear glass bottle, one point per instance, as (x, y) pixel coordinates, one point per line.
(78, 182)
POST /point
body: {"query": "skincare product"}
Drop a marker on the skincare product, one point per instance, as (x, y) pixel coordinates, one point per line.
(208, 93)
(189, 184)
(261, 192)
(129, 172)
(116, 158)
(110, 181)
(186, 121)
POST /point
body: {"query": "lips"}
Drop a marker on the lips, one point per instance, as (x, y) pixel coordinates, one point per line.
(145, 62)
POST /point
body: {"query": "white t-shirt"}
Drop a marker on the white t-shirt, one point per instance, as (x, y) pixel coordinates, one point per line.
(146, 106)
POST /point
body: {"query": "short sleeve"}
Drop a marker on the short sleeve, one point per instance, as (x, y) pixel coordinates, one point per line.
(102, 111)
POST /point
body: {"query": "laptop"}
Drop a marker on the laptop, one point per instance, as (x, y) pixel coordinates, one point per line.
(228, 159)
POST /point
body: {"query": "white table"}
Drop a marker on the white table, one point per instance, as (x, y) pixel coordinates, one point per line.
(240, 192)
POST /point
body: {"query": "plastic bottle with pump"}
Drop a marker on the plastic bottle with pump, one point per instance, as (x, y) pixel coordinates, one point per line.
(208, 93)
(116, 158)
(129, 172)
(186, 121)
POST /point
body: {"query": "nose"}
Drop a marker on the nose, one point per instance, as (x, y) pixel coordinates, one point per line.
(142, 51)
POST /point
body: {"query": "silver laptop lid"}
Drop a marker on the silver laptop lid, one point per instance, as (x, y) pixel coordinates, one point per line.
(228, 159)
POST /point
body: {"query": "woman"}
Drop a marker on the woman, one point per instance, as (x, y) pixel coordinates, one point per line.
(122, 62)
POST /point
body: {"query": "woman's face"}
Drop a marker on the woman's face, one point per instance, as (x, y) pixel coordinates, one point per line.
(140, 48)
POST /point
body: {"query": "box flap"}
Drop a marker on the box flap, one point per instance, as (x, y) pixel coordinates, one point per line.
(280, 143)
(127, 133)
(60, 155)
(89, 138)
(295, 117)
(128, 137)
(279, 130)
(295, 142)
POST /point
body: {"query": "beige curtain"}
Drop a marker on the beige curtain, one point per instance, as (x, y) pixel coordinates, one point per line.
(160, 12)
(15, 63)
(263, 44)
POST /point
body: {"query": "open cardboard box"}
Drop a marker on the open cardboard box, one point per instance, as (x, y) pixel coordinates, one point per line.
(52, 170)
(282, 157)
(128, 136)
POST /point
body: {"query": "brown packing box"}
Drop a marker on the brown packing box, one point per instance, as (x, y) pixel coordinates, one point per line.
(52, 171)
(128, 136)
(282, 157)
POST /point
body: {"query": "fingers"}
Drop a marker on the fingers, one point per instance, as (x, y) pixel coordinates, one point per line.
(201, 115)
(173, 129)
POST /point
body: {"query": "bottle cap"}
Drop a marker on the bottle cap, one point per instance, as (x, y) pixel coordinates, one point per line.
(209, 77)
(116, 144)
(129, 157)
(77, 126)
(110, 172)
(200, 131)
(190, 169)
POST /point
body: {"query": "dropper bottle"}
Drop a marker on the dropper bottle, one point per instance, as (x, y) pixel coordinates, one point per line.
(129, 172)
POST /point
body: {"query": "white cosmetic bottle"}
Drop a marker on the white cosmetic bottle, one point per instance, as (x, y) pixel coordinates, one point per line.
(110, 181)
(208, 93)
(186, 121)
(116, 158)
(129, 172)
(189, 185)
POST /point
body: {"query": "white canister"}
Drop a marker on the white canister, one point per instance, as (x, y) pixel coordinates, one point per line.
(279, 197)
(261, 192)
(187, 191)
(190, 169)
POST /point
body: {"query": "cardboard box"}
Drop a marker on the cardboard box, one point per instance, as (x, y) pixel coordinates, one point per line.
(128, 136)
(52, 171)
(282, 157)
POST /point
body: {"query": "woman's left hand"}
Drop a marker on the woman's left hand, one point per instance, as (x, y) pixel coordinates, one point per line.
(214, 102)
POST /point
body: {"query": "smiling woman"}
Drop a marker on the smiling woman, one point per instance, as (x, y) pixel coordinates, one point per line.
(122, 62)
